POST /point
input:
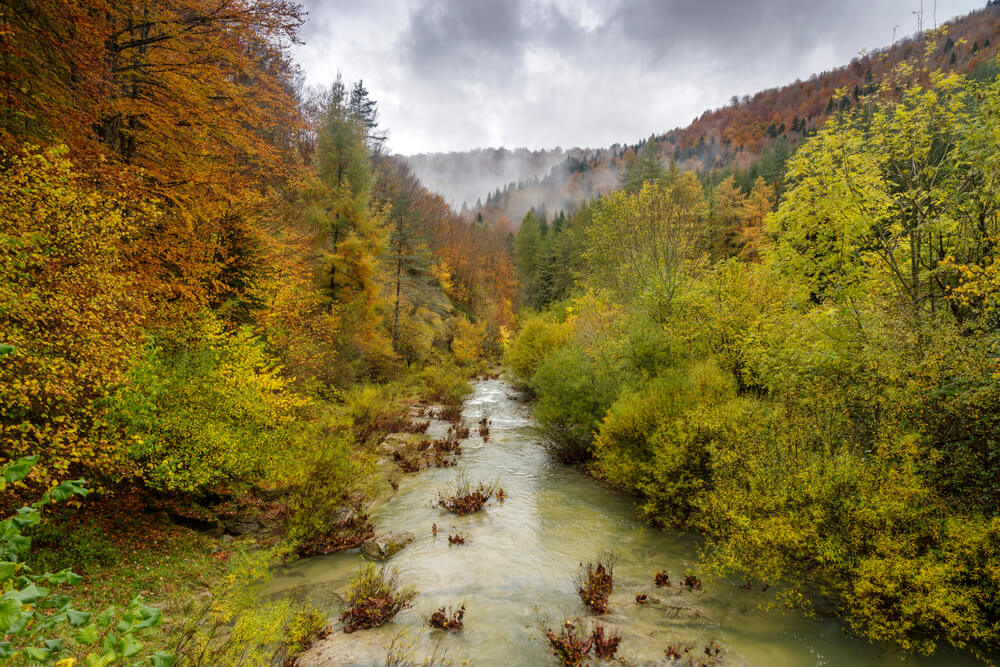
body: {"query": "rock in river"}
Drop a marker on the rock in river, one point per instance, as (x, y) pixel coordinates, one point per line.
(386, 545)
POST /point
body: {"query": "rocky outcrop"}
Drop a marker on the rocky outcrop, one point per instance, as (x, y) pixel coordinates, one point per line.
(386, 545)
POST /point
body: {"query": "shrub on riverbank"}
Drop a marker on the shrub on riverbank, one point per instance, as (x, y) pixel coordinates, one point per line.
(463, 498)
(375, 596)
(826, 416)
(594, 583)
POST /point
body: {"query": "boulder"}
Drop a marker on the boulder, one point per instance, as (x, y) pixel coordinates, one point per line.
(386, 545)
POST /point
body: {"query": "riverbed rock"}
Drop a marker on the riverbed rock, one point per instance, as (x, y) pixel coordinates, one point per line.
(399, 442)
(386, 545)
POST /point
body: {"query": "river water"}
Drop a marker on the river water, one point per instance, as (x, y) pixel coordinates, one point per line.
(517, 570)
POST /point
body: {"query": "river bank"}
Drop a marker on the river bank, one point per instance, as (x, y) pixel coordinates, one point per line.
(516, 569)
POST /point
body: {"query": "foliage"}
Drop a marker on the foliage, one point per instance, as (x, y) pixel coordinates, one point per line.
(463, 498)
(67, 310)
(573, 395)
(375, 596)
(821, 404)
(235, 628)
(329, 476)
(206, 409)
(595, 581)
(537, 337)
(444, 384)
(38, 623)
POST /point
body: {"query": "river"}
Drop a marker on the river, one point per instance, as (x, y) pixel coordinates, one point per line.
(517, 569)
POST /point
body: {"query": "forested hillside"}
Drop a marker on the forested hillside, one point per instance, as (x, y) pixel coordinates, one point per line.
(217, 287)
(813, 388)
(753, 134)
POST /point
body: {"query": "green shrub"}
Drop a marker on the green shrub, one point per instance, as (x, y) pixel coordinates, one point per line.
(653, 441)
(373, 409)
(206, 408)
(329, 475)
(537, 338)
(39, 624)
(573, 395)
(445, 384)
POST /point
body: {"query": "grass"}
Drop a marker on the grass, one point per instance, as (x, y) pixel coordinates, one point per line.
(123, 552)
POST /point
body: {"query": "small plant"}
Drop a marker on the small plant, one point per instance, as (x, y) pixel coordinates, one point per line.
(446, 619)
(34, 620)
(642, 598)
(605, 647)
(463, 498)
(677, 651)
(692, 581)
(305, 627)
(570, 647)
(712, 650)
(500, 495)
(450, 413)
(662, 578)
(484, 429)
(374, 598)
(457, 538)
(595, 582)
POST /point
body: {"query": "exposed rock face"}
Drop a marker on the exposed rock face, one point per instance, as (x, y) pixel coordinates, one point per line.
(386, 545)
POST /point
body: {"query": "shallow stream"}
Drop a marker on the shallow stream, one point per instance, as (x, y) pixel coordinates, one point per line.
(517, 569)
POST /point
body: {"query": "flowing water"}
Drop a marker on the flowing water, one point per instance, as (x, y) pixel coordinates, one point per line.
(517, 567)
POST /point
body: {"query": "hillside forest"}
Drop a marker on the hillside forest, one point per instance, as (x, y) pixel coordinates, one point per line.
(776, 330)
(217, 286)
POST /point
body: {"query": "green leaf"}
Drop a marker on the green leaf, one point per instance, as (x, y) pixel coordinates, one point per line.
(6, 349)
(128, 646)
(54, 645)
(37, 654)
(64, 577)
(105, 617)
(68, 489)
(28, 594)
(10, 612)
(161, 659)
(19, 469)
(87, 635)
(150, 617)
(78, 618)
(7, 570)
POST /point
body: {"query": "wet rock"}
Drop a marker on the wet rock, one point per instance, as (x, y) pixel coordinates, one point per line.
(399, 442)
(386, 545)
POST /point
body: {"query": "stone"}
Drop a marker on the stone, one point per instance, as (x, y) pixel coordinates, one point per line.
(386, 545)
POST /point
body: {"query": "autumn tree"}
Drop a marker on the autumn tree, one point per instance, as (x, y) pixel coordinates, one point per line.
(638, 244)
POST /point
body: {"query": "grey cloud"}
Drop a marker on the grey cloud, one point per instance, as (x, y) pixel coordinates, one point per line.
(456, 74)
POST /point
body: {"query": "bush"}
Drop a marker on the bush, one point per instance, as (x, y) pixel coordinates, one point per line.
(68, 305)
(594, 583)
(537, 338)
(573, 395)
(654, 441)
(206, 408)
(374, 410)
(445, 384)
(374, 598)
(462, 498)
(330, 476)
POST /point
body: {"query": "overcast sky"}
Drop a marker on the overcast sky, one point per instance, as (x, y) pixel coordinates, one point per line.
(459, 74)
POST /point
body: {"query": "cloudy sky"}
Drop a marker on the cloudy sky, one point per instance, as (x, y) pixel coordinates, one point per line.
(459, 74)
